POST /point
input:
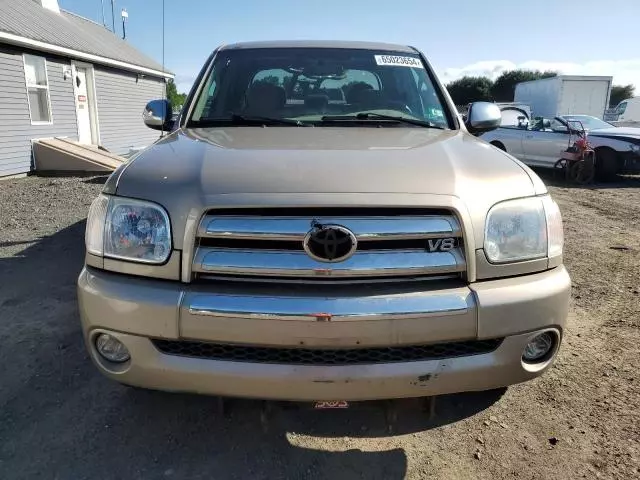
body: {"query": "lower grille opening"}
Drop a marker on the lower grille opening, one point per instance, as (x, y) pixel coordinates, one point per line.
(317, 356)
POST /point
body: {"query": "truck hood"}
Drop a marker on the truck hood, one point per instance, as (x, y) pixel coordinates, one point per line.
(190, 171)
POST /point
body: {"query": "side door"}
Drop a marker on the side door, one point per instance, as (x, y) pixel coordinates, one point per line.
(85, 101)
(545, 141)
(510, 137)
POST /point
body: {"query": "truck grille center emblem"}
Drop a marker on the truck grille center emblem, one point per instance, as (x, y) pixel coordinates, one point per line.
(329, 243)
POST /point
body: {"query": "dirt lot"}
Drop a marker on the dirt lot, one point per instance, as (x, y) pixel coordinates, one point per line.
(59, 418)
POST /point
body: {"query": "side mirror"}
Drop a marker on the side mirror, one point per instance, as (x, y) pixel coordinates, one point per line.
(483, 117)
(158, 115)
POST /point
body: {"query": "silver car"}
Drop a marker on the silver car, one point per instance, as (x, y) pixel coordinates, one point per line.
(540, 143)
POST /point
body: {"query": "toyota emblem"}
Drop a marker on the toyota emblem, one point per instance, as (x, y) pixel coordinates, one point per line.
(329, 243)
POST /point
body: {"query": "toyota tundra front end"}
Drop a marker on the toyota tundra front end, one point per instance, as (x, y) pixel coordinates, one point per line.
(320, 225)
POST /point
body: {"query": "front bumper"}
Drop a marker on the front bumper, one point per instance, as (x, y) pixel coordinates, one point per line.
(137, 309)
(631, 162)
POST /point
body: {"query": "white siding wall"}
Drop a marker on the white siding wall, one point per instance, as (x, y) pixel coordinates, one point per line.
(122, 97)
(16, 131)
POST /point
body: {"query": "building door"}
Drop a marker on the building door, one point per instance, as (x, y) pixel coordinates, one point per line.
(85, 104)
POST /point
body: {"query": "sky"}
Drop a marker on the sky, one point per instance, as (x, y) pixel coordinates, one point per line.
(459, 37)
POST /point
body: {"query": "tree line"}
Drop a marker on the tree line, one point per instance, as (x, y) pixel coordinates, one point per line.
(175, 99)
(475, 89)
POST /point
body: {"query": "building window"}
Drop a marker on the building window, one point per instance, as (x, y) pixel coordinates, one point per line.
(35, 73)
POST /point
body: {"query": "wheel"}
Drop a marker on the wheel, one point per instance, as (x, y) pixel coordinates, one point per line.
(606, 168)
(561, 169)
(582, 172)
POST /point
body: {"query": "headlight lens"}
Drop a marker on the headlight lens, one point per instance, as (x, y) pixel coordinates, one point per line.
(635, 148)
(128, 229)
(516, 230)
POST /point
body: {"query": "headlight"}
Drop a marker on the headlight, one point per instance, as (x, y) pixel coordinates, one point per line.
(635, 148)
(523, 229)
(128, 229)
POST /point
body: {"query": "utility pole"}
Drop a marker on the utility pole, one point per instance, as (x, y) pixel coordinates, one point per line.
(113, 17)
(125, 15)
(102, 10)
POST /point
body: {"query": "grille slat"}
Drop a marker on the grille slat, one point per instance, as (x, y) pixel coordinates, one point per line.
(298, 264)
(287, 228)
(308, 356)
(363, 245)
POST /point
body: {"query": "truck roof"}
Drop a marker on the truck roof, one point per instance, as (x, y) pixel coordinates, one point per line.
(571, 77)
(320, 44)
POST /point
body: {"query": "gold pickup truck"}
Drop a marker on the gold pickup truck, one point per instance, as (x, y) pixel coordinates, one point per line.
(319, 225)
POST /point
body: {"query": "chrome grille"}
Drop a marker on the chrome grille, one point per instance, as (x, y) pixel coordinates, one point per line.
(313, 356)
(232, 245)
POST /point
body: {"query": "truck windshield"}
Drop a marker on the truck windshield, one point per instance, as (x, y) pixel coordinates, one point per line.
(320, 87)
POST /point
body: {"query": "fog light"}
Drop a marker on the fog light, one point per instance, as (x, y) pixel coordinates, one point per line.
(539, 347)
(111, 348)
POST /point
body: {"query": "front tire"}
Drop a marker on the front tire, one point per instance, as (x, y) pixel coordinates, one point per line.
(606, 165)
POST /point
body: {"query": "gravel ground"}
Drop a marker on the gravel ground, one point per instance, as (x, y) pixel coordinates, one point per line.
(59, 418)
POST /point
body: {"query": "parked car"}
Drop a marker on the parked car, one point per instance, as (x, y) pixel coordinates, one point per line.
(540, 143)
(322, 251)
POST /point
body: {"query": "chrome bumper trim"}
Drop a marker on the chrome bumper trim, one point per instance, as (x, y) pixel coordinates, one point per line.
(295, 228)
(332, 309)
(363, 263)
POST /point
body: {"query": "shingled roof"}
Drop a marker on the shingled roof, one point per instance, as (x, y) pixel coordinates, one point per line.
(27, 23)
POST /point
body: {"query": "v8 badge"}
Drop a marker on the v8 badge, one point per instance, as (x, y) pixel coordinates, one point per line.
(440, 244)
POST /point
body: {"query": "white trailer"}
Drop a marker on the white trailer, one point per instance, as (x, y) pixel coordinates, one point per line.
(566, 95)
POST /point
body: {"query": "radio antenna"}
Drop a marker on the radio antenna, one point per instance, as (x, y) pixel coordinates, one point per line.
(165, 90)
(164, 79)
(113, 17)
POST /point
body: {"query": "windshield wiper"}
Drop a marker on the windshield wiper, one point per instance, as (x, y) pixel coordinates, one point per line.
(253, 119)
(380, 116)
